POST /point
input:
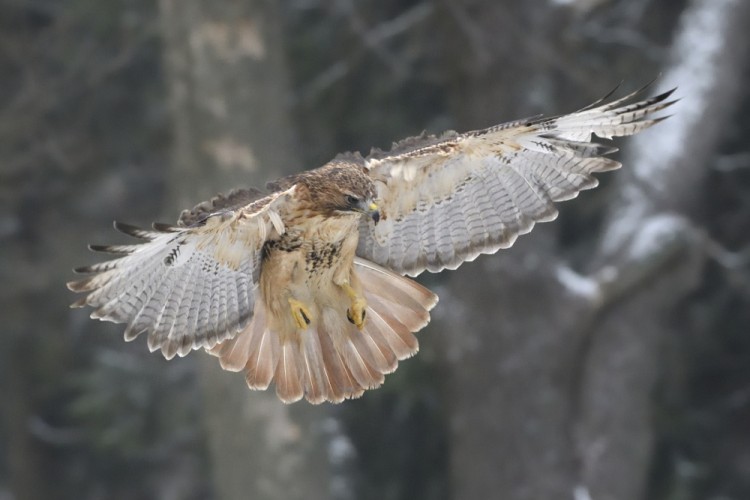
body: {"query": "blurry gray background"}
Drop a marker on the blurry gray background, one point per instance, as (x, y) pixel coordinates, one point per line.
(605, 357)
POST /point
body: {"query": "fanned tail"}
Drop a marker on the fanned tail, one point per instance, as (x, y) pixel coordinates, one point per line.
(332, 360)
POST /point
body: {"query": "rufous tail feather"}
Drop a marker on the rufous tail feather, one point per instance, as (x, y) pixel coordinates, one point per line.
(332, 360)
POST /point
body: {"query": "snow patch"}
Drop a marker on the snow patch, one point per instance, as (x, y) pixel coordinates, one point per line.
(626, 222)
(577, 284)
(581, 492)
(655, 233)
(698, 45)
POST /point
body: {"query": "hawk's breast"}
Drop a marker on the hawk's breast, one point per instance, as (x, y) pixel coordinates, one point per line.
(316, 249)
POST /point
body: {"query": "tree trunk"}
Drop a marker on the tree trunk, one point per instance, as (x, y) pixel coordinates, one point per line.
(551, 374)
(652, 254)
(228, 86)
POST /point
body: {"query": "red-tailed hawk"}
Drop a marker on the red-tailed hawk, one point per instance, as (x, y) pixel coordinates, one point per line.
(302, 285)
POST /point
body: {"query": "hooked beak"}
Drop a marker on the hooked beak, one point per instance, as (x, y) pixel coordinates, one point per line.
(374, 212)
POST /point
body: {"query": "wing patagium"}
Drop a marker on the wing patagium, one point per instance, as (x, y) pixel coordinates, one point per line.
(184, 287)
(445, 200)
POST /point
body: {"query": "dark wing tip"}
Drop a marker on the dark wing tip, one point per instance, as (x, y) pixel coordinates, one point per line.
(622, 101)
(129, 229)
(165, 228)
(77, 285)
(664, 96)
(669, 92)
(112, 249)
(605, 97)
(660, 119)
(78, 303)
(659, 98)
(645, 87)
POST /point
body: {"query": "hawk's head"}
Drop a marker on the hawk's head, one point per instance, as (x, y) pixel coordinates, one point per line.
(342, 187)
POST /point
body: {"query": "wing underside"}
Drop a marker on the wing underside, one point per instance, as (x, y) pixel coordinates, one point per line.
(446, 200)
(184, 287)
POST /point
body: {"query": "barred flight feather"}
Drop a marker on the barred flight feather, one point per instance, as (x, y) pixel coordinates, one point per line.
(184, 287)
(494, 184)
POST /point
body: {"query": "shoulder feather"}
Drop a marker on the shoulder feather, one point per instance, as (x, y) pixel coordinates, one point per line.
(234, 199)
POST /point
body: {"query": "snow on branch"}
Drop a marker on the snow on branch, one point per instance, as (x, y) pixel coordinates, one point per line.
(669, 162)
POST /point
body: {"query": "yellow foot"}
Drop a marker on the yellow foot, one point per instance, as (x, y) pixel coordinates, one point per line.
(357, 312)
(300, 313)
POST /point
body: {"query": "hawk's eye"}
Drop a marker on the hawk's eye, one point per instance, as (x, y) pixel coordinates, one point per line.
(352, 201)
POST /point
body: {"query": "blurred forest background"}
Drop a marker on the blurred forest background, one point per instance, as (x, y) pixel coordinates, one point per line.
(605, 357)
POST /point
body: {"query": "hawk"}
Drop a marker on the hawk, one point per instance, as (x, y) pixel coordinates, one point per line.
(303, 284)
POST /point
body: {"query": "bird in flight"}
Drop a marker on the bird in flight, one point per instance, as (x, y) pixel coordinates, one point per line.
(303, 284)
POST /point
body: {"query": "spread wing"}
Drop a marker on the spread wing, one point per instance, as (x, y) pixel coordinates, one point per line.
(445, 200)
(185, 287)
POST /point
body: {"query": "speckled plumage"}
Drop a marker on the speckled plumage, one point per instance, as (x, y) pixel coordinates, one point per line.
(302, 285)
